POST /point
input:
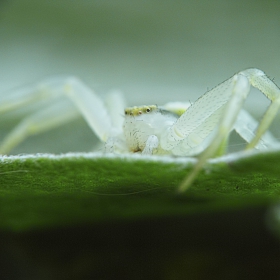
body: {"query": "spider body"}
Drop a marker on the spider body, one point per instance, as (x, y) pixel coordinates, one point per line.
(199, 129)
(143, 127)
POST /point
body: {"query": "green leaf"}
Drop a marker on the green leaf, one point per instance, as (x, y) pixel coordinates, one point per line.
(78, 216)
(48, 190)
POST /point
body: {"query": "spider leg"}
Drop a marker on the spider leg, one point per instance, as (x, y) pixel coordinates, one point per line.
(36, 98)
(199, 120)
(259, 80)
(83, 98)
(91, 107)
(246, 125)
(116, 145)
(115, 104)
(230, 95)
(45, 119)
(239, 87)
(23, 97)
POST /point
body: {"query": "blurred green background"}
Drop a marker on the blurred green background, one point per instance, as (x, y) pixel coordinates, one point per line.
(154, 51)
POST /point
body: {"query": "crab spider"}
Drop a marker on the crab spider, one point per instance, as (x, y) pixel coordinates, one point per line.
(178, 129)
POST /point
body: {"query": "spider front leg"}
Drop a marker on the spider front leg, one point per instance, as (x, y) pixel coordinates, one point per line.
(259, 80)
(238, 87)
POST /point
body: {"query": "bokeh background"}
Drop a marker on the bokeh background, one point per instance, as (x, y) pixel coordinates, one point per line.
(154, 51)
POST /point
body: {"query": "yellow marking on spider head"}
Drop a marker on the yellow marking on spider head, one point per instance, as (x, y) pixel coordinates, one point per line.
(136, 111)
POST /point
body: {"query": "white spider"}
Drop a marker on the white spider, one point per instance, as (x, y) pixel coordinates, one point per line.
(179, 129)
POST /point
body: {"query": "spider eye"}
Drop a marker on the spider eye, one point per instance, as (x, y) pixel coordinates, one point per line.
(148, 110)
